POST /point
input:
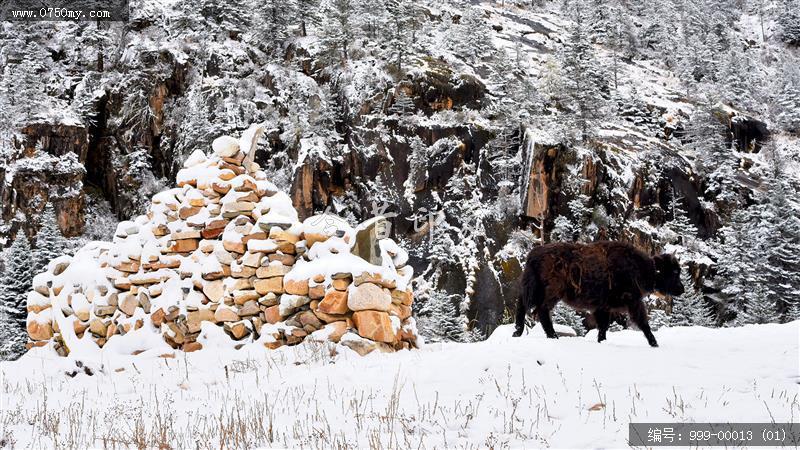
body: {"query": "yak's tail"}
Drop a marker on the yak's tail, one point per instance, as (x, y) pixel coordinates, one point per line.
(526, 300)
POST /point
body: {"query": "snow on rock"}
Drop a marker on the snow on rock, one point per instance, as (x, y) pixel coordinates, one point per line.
(221, 257)
(225, 146)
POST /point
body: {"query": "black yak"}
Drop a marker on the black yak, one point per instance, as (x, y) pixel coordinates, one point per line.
(601, 278)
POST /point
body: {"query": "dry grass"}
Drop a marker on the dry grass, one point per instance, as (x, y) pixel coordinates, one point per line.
(255, 403)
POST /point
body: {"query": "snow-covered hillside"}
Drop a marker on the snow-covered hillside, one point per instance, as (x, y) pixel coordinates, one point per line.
(504, 392)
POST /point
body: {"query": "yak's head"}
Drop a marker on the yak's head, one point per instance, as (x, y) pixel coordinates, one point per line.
(668, 275)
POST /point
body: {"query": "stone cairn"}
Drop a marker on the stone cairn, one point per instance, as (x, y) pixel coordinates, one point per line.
(226, 249)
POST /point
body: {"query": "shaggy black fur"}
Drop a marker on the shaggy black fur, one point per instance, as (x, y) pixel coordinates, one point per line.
(601, 278)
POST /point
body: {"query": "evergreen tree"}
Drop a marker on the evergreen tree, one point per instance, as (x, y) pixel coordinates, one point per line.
(402, 23)
(271, 22)
(779, 227)
(657, 318)
(715, 159)
(758, 307)
(337, 30)
(583, 81)
(15, 282)
(789, 21)
(794, 311)
(564, 315)
(403, 104)
(12, 339)
(690, 308)
(50, 243)
(307, 14)
(439, 319)
(740, 80)
(474, 35)
(234, 16)
(787, 101)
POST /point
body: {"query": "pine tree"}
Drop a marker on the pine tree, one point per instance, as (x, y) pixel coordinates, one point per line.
(373, 18)
(12, 340)
(780, 227)
(581, 72)
(233, 16)
(787, 100)
(657, 319)
(564, 315)
(758, 307)
(794, 311)
(789, 21)
(337, 30)
(402, 23)
(439, 319)
(690, 308)
(715, 159)
(50, 243)
(680, 223)
(271, 23)
(474, 35)
(307, 14)
(15, 282)
(746, 268)
(403, 105)
(741, 80)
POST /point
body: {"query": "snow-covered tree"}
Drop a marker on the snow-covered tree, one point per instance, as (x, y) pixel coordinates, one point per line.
(15, 282)
(787, 95)
(780, 229)
(657, 319)
(564, 315)
(741, 80)
(337, 29)
(438, 318)
(690, 308)
(50, 243)
(789, 21)
(581, 72)
(402, 26)
(716, 160)
(307, 14)
(471, 36)
(417, 167)
(403, 104)
(271, 22)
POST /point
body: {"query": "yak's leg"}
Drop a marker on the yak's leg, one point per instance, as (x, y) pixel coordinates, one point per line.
(601, 317)
(543, 312)
(522, 311)
(638, 315)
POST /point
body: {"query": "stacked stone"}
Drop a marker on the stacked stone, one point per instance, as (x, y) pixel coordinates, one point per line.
(225, 248)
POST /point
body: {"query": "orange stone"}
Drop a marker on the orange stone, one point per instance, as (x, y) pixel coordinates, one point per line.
(375, 325)
(296, 287)
(316, 292)
(192, 347)
(273, 314)
(274, 284)
(334, 302)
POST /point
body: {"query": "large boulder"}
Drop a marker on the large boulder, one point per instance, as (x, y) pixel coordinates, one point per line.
(369, 296)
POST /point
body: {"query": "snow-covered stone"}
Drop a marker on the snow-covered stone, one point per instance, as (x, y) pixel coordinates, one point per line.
(223, 251)
(225, 146)
(368, 296)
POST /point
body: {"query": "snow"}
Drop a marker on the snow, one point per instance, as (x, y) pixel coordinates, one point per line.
(503, 392)
(261, 245)
(327, 224)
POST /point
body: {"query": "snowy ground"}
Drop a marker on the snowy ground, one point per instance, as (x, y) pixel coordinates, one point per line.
(526, 392)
